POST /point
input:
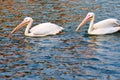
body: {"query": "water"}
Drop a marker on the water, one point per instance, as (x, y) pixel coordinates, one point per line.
(67, 56)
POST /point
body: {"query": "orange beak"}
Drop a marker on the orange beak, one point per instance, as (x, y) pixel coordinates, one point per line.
(83, 22)
(23, 23)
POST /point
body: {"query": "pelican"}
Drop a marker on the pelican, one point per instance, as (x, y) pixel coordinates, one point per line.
(42, 29)
(103, 27)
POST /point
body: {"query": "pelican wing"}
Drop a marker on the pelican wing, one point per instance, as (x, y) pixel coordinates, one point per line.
(107, 23)
(46, 29)
(118, 22)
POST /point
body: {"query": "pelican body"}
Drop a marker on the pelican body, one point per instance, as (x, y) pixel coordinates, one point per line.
(103, 27)
(42, 29)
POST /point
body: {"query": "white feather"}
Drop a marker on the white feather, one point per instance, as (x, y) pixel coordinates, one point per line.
(46, 29)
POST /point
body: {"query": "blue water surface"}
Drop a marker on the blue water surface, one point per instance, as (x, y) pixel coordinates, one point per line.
(66, 56)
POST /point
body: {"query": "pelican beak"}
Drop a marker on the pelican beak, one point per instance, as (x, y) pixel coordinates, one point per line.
(82, 23)
(23, 23)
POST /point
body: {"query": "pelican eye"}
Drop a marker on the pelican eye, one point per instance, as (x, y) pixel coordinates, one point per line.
(27, 20)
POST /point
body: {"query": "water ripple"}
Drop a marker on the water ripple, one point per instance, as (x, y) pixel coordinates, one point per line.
(67, 56)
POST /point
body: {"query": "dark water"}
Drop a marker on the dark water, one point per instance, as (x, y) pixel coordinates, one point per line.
(67, 56)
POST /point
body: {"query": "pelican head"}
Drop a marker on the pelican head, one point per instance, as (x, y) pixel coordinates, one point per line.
(88, 17)
(23, 23)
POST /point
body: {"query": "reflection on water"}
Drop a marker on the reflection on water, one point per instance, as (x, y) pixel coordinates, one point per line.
(67, 56)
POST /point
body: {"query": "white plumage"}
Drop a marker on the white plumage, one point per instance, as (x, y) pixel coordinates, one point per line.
(42, 29)
(106, 26)
(45, 29)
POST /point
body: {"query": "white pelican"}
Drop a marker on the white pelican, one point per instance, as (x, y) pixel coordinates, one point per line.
(106, 26)
(42, 29)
